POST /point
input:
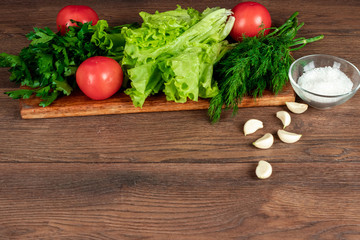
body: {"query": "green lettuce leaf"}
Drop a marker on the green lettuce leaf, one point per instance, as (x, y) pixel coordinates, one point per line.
(110, 39)
(174, 52)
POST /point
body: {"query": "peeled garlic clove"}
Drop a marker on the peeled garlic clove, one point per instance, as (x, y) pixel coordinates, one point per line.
(263, 170)
(252, 126)
(288, 137)
(284, 117)
(296, 107)
(265, 141)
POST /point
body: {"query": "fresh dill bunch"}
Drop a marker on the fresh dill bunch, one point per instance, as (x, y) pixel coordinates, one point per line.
(255, 64)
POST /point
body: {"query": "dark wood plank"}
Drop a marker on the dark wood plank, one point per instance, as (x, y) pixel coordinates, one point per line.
(175, 201)
(185, 136)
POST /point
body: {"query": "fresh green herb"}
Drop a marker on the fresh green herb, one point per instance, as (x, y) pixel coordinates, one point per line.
(47, 66)
(256, 64)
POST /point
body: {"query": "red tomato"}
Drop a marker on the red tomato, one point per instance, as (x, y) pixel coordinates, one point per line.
(78, 13)
(99, 77)
(250, 18)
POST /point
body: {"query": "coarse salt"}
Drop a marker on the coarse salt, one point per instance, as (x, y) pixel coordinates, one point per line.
(328, 80)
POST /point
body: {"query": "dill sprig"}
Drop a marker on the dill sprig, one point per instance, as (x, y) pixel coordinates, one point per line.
(255, 64)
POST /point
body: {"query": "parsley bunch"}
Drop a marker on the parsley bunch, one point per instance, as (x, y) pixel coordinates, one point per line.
(48, 65)
(256, 64)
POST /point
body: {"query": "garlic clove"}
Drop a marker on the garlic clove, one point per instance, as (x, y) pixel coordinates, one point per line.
(263, 169)
(284, 117)
(265, 141)
(252, 126)
(296, 107)
(288, 137)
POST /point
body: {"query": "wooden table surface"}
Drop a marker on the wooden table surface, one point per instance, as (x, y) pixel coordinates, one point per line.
(173, 175)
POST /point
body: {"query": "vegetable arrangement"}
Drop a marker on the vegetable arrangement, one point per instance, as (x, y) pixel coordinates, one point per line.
(99, 77)
(175, 52)
(250, 19)
(184, 53)
(48, 65)
(256, 64)
(79, 13)
(267, 140)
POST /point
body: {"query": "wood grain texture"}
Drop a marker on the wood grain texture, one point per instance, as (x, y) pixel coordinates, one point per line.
(77, 104)
(173, 175)
(173, 201)
(178, 137)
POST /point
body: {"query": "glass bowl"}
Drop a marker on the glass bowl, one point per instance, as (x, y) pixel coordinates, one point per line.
(322, 99)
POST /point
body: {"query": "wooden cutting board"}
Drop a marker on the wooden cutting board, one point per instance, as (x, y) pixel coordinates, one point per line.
(77, 104)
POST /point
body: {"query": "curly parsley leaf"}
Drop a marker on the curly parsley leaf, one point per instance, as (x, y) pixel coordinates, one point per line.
(48, 65)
